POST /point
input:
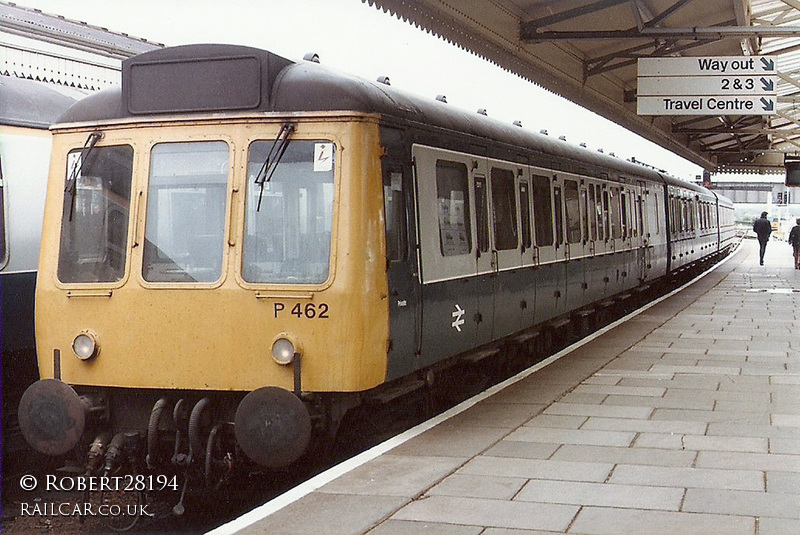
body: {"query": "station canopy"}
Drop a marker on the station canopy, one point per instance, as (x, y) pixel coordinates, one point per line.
(587, 51)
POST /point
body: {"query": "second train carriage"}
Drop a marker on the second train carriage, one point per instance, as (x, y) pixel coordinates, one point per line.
(27, 108)
(241, 260)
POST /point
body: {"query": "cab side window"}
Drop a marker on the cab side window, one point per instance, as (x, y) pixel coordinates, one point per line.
(394, 205)
(452, 186)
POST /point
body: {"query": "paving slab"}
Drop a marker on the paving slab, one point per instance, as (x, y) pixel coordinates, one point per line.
(656, 498)
(489, 513)
(686, 419)
(616, 455)
(688, 477)
(736, 502)
(334, 514)
(408, 527)
(606, 520)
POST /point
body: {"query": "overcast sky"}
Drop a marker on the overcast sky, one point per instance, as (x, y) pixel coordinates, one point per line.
(364, 41)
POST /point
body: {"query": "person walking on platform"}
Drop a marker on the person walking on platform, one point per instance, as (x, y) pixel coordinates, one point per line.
(794, 239)
(763, 228)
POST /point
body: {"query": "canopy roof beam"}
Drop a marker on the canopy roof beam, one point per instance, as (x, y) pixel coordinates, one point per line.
(713, 33)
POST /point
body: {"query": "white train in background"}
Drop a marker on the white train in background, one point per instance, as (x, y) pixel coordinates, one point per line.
(27, 108)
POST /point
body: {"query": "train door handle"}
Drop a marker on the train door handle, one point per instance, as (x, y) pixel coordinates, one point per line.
(495, 261)
(535, 257)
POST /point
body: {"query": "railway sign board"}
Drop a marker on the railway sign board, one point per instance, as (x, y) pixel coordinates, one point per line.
(706, 66)
(707, 85)
(706, 105)
(726, 85)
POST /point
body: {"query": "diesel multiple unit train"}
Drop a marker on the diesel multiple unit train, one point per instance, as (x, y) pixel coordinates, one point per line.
(238, 249)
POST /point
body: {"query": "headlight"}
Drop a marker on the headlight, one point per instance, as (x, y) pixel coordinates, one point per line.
(283, 351)
(85, 345)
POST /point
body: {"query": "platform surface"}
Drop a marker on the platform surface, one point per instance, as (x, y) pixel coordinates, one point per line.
(684, 419)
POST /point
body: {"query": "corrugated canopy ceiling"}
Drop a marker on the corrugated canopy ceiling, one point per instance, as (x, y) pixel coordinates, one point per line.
(587, 51)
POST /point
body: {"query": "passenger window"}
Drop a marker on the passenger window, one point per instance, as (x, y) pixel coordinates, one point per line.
(455, 235)
(186, 204)
(504, 210)
(640, 215)
(95, 216)
(623, 199)
(525, 215)
(684, 219)
(673, 209)
(542, 211)
(559, 217)
(573, 211)
(482, 213)
(657, 206)
(586, 212)
(606, 215)
(615, 215)
(592, 212)
(394, 206)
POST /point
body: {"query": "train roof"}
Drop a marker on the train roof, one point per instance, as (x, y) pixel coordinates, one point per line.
(32, 104)
(230, 78)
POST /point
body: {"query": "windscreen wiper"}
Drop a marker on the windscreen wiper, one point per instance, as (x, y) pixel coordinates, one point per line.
(77, 169)
(273, 159)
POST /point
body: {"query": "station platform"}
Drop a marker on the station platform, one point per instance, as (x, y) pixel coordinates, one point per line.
(684, 418)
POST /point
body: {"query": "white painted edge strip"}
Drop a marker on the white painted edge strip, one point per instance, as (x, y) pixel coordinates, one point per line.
(344, 467)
